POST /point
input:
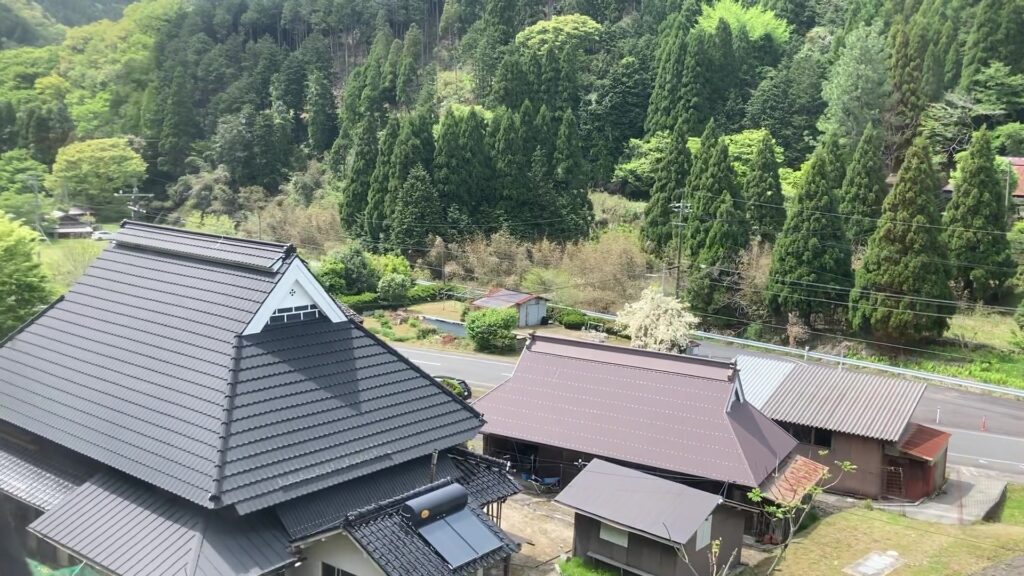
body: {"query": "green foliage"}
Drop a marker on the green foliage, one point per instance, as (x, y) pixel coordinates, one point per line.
(864, 188)
(92, 171)
(762, 191)
(490, 329)
(1009, 139)
(321, 115)
(357, 275)
(614, 210)
(576, 566)
(393, 287)
(417, 214)
(572, 319)
(19, 70)
(810, 270)
(563, 32)
(755, 21)
(855, 89)
(331, 273)
(660, 218)
(17, 171)
(384, 264)
(976, 222)
(211, 224)
(24, 287)
(904, 276)
(637, 173)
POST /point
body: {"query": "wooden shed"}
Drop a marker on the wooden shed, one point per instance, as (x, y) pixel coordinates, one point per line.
(530, 308)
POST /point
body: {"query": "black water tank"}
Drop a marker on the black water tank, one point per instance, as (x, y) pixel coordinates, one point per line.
(436, 504)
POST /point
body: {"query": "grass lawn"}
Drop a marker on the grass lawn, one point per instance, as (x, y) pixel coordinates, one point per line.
(1013, 511)
(927, 549)
(995, 330)
(447, 309)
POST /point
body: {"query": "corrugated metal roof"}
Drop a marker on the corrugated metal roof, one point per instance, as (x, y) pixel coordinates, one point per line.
(645, 503)
(399, 550)
(327, 508)
(924, 442)
(39, 472)
(667, 411)
(502, 298)
(240, 252)
(796, 476)
(761, 376)
(848, 401)
(132, 369)
(127, 528)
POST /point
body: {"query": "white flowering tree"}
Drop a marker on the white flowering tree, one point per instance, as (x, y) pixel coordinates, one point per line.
(657, 322)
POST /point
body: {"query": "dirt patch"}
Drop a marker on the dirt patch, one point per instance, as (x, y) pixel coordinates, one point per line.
(544, 529)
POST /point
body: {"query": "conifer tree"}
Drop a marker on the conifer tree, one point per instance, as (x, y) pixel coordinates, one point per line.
(669, 63)
(357, 186)
(408, 68)
(463, 175)
(904, 276)
(415, 145)
(288, 87)
(907, 101)
(812, 251)
(713, 277)
(179, 125)
(762, 192)
(416, 213)
(983, 41)
(976, 224)
(321, 113)
(389, 82)
(712, 177)
(376, 213)
(669, 188)
(855, 90)
(568, 160)
(510, 84)
(511, 161)
(695, 97)
(864, 188)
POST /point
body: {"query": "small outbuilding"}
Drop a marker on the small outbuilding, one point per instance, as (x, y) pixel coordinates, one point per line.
(530, 308)
(73, 224)
(637, 523)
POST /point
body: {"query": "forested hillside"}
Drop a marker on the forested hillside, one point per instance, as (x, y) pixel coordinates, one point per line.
(40, 22)
(759, 135)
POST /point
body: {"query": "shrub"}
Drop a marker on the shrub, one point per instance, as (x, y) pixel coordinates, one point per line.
(425, 292)
(353, 269)
(572, 319)
(491, 329)
(424, 332)
(393, 287)
(384, 264)
(331, 273)
(360, 302)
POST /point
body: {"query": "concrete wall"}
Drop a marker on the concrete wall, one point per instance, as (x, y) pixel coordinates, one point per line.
(656, 557)
(865, 453)
(339, 551)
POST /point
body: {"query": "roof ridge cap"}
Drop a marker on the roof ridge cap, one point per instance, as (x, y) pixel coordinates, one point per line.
(285, 247)
(226, 416)
(721, 363)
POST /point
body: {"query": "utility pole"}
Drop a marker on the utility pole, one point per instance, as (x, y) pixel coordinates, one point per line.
(680, 208)
(37, 204)
(133, 203)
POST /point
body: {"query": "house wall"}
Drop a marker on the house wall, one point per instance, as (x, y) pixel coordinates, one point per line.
(660, 559)
(865, 453)
(339, 551)
(939, 471)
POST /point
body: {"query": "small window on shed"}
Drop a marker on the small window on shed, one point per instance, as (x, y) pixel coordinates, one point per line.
(704, 534)
(614, 535)
(294, 314)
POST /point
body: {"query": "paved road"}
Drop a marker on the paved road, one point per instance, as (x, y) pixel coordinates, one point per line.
(999, 448)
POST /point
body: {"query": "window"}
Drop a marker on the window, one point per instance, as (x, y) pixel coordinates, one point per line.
(704, 534)
(614, 535)
(328, 570)
(294, 314)
(809, 435)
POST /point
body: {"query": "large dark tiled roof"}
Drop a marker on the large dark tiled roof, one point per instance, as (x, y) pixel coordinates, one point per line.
(143, 367)
(127, 528)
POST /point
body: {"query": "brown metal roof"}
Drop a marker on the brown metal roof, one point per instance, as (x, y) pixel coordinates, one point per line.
(923, 442)
(667, 411)
(848, 401)
(796, 476)
(642, 502)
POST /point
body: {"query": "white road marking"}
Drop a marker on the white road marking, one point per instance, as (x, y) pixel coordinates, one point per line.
(505, 374)
(466, 358)
(987, 460)
(418, 361)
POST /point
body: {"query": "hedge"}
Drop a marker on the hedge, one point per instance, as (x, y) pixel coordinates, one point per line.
(574, 319)
(370, 300)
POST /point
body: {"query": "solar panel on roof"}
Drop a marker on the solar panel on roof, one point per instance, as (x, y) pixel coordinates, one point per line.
(460, 538)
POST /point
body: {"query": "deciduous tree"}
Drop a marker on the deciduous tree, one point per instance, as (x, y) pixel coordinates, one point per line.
(24, 286)
(657, 322)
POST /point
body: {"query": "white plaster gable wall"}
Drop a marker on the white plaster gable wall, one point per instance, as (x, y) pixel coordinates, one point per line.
(297, 287)
(340, 551)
